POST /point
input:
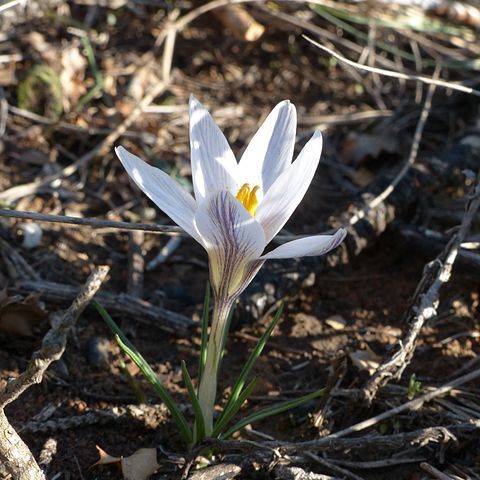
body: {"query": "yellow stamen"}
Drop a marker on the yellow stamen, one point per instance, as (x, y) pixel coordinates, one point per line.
(248, 197)
(243, 193)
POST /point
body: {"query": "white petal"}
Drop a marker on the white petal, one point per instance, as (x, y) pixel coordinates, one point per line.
(308, 246)
(162, 189)
(288, 190)
(270, 151)
(233, 239)
(214, 166)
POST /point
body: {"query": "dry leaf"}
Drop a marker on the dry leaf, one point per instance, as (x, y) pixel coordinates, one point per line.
(105, 458)
(138, 466)
(20, 315)
(337, 322)
(366, 360)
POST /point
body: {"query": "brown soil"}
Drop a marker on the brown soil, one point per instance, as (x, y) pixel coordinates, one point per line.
(369, 296)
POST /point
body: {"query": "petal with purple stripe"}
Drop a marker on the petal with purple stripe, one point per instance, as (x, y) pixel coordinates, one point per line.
(234, 241)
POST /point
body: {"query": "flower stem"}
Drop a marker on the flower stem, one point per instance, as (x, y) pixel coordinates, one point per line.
(207, 390)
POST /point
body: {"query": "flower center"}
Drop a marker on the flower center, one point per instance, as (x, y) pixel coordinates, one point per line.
(248, 197)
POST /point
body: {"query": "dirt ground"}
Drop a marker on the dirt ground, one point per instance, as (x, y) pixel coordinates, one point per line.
(341, 320)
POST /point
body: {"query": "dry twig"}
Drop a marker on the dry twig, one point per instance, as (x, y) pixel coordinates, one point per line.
(411, 405)
(334, 468)
(14, 453)
(92, 222)
(121, 304)
(435, 472)
(437, 273)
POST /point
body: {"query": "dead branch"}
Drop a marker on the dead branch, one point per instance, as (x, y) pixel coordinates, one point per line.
(436, 274)
(54, 341)
(334, 468)
(435, 472)
(240, 23)
(92, 222)
(14, 453)
(222, 470)
(411, 405)
(373, 464)
(268, 451)
(296, 473)
(416, 438)
(124, 413)
(122, 304)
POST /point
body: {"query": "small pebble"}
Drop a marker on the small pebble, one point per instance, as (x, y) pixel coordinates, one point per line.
(31, 234)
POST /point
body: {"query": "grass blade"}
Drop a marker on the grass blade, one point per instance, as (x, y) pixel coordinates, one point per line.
(233, 408)
(273, 410)
(149, 374)
(204, 336)
(199, 420)
(237, 389)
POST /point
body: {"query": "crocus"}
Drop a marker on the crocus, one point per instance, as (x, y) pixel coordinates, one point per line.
(237, 209)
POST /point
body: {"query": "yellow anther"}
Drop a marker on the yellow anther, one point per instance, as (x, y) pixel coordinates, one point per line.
(248, 198)
(243, 193)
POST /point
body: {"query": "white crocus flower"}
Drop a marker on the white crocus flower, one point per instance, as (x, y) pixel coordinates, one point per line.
(237, 210)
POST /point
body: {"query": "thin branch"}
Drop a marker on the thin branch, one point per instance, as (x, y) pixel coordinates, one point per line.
(142, 311)
(55, 340)
(92, 222)
(411, 405)
(428, 292)
(391, 73)
(435, 472)
(334, 468)
(15, 456)
(170, 230)
(377, 442)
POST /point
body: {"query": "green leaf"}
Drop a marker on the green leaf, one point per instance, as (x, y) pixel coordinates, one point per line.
(149, 374)
(242, 378)
(204, 338)
(134, 385)
(199, 420)
(273, 410)
(233, 408)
